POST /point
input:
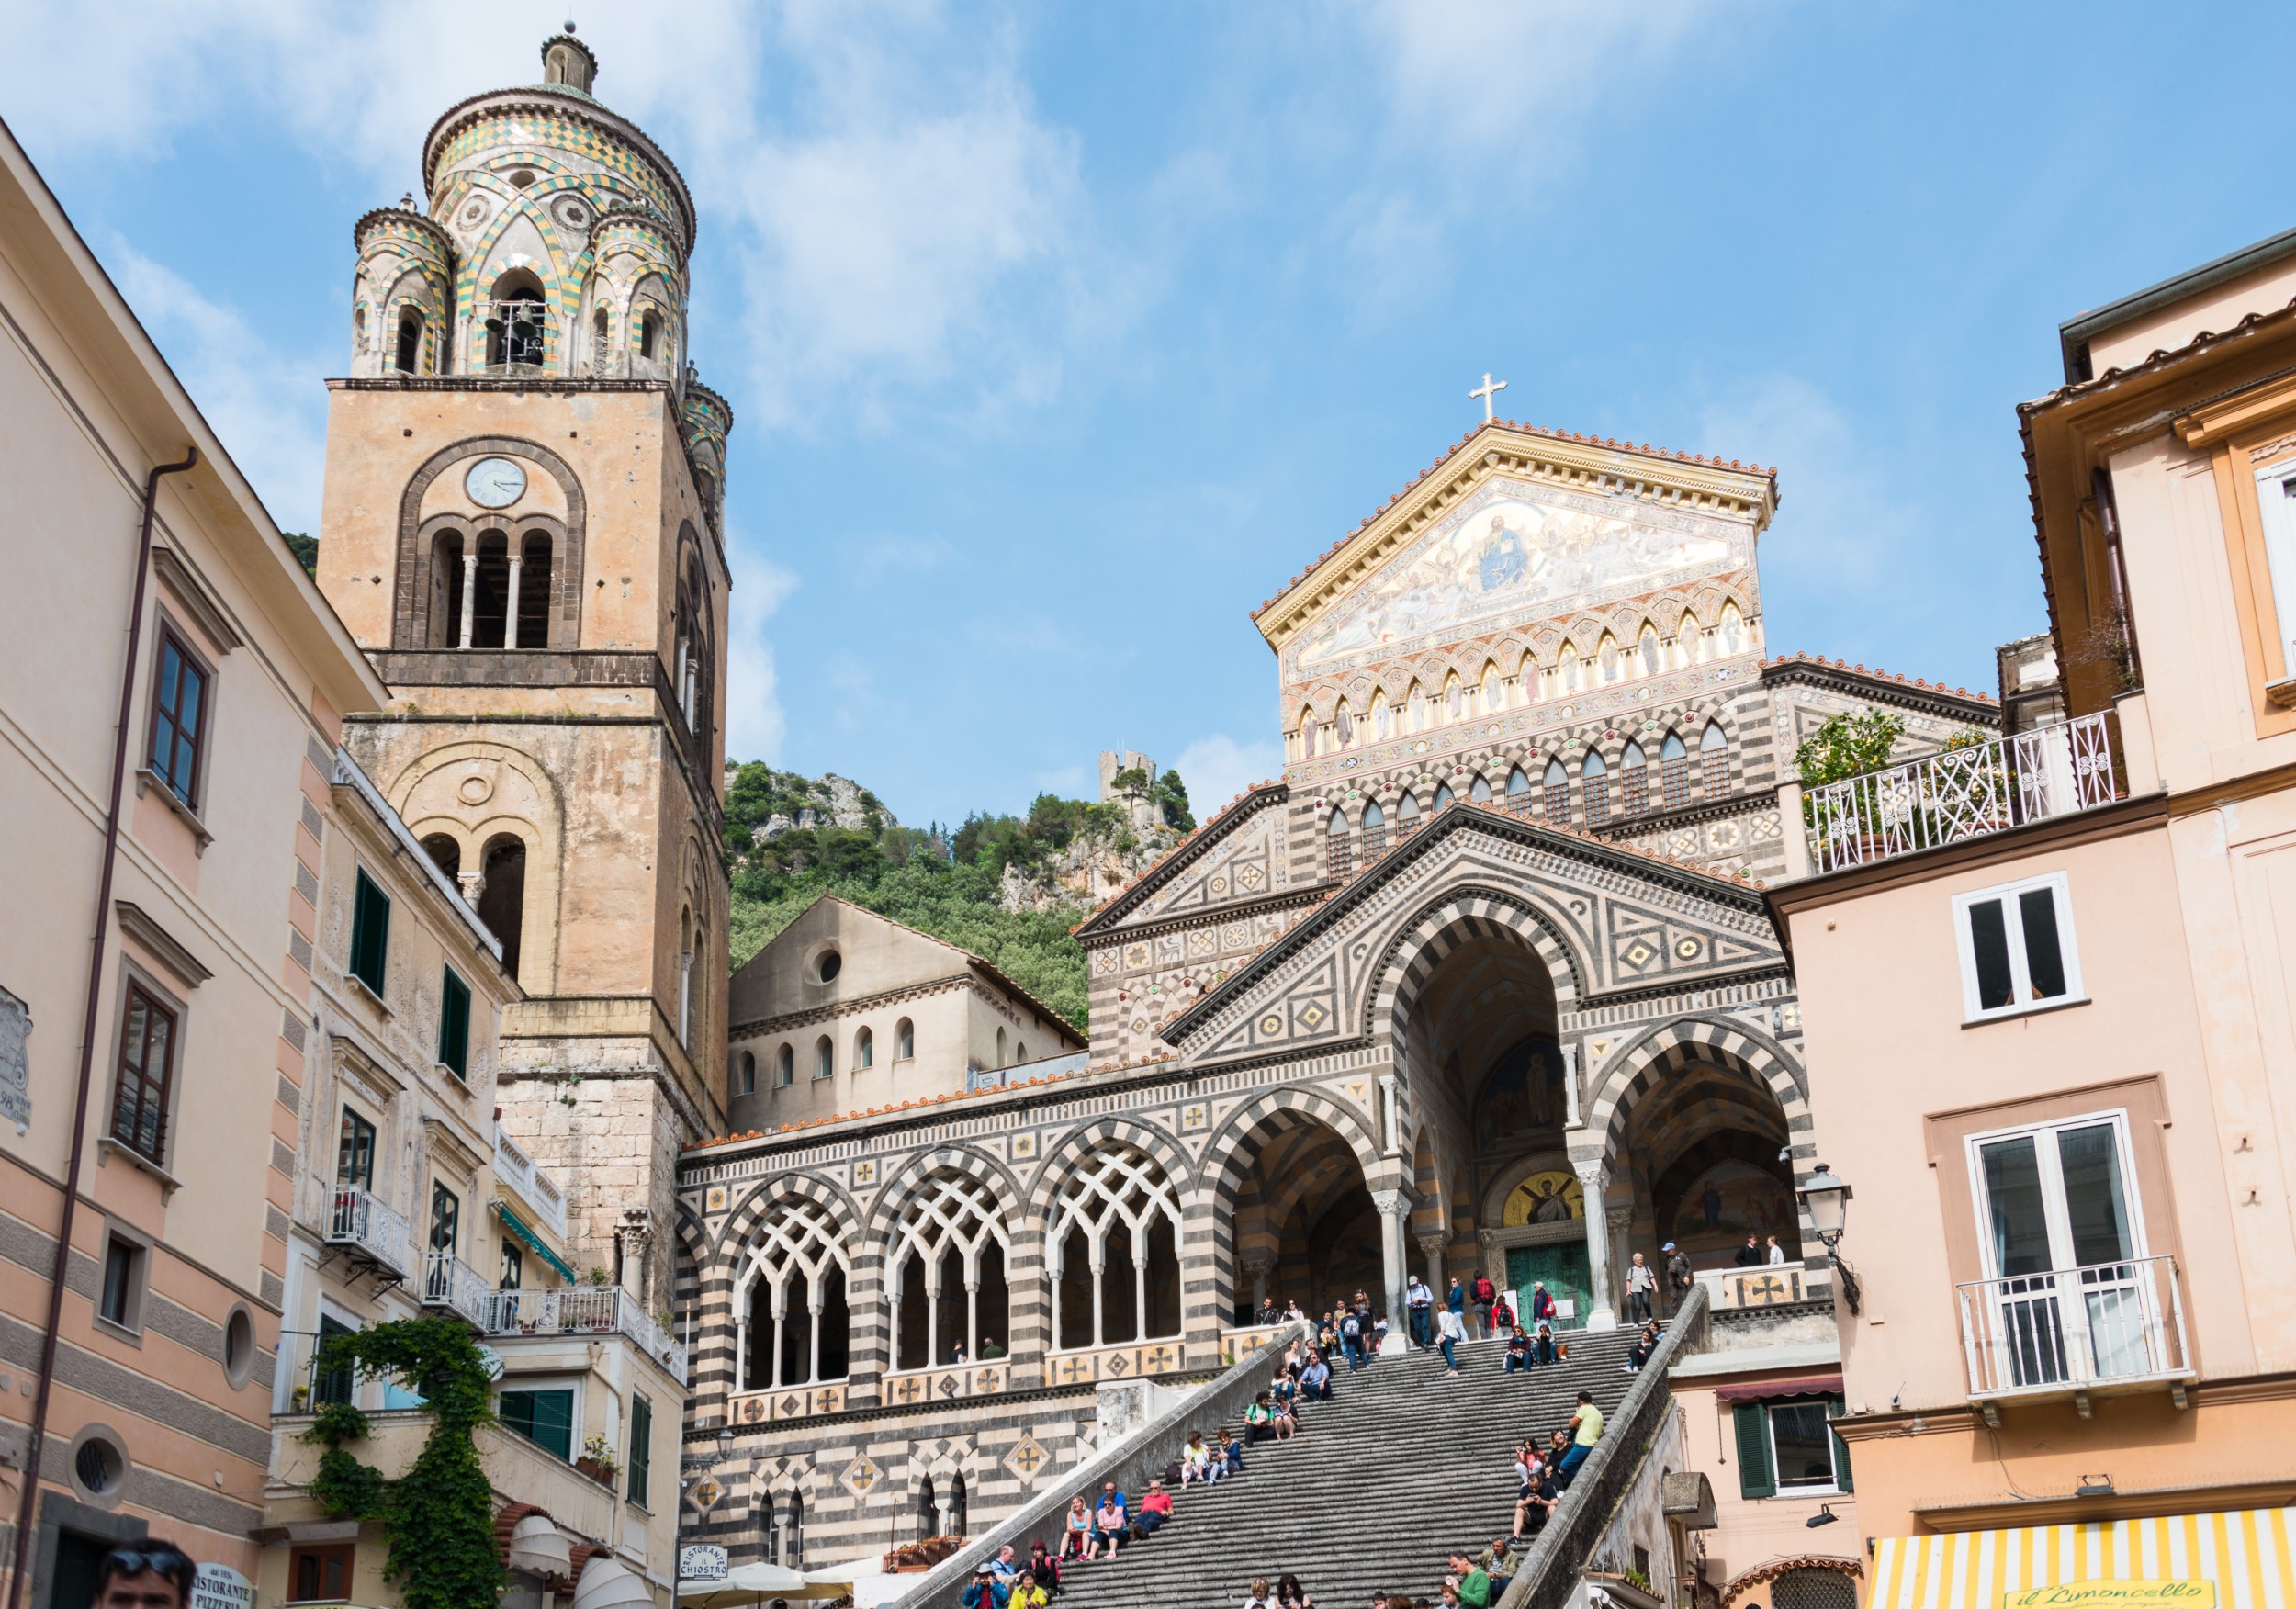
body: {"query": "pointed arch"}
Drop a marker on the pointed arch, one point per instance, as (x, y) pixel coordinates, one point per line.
(1634, 779)
(1646, 650)
(1636, 1068)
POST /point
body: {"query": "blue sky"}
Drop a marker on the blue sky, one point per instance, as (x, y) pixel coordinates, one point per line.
(1059, 335)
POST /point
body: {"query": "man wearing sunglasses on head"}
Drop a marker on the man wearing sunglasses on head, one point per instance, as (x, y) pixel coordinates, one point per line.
(149, 1575)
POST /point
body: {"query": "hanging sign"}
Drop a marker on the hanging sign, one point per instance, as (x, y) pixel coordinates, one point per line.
(701, 1561)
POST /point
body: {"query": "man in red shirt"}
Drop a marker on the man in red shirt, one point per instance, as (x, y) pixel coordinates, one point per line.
(1155, 1509)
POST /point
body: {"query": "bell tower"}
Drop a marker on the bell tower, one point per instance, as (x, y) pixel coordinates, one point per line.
(522, 526)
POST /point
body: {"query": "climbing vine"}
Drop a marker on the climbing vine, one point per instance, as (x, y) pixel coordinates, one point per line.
(439, 1515)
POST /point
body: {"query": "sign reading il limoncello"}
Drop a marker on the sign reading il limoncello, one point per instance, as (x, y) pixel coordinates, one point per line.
(2113, 1595)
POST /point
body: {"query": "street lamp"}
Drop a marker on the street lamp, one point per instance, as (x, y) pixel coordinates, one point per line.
(1827, 1199)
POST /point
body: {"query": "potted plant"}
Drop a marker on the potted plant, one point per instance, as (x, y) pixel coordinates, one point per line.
(597, 1461)
(302, 1399)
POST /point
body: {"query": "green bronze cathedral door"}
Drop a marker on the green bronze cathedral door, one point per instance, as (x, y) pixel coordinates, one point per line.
(1562, 1267)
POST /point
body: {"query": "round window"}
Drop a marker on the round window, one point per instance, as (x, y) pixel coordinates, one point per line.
(100, 1464)
(239, 1346)
(829, 965)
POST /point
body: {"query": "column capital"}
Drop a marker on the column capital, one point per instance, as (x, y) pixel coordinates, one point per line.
(1594, 1174)
(1439, 1241)
(1391, 1203)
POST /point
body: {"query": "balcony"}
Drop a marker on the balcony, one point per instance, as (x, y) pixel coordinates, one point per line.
(450, 1283)
(533, 1186)
(579, 1309)
(376, 1237)
(1961, 793)
(2104, 1328)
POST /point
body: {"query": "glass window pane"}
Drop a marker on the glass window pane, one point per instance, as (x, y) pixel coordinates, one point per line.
(2094, 1206)
(1804, 1444)
(2019, 1227)
(2045, 958)
(1988, 938)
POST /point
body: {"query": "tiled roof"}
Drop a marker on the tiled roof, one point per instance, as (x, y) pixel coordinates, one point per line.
(1878, 674)
(1645, 449)
(1216, 818)
(922, 1102)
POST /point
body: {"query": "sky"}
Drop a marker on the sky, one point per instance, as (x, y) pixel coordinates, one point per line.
(1059, 335)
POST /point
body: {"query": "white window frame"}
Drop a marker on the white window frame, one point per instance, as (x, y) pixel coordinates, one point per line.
(2022, 1002)
(2275, 502)
(2053, 1180)
(1779, 1489)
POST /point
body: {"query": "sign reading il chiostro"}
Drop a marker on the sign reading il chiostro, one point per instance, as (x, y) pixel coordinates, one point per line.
(2114, 1595)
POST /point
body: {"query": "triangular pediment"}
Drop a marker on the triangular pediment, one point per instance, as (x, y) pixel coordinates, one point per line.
(1611, 918)
(1513, 527)
(1238, 855)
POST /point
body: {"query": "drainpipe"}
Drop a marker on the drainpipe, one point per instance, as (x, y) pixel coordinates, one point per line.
(27, 1508)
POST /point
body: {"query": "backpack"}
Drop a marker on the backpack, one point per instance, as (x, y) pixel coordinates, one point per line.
(1352, 1329)
(1485, 1290)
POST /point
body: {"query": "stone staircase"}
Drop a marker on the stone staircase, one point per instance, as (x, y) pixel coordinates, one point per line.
(1381, 1483)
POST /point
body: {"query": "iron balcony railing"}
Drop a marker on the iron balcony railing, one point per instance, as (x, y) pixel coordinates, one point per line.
(449, 1282)
(1960, 793)
(577, 1309)
(358, 1220)
(2070, 1330)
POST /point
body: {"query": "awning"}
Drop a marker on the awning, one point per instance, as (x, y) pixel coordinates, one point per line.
(1763, 1390)
(2230, 1561)
(511, 1222)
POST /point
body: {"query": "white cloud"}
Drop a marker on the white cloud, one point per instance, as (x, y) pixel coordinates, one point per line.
(1217, 768)
(1839, 523)
(755, 721)
(268, 410)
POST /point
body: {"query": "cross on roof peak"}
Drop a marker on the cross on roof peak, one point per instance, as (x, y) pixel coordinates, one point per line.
(1486, 391)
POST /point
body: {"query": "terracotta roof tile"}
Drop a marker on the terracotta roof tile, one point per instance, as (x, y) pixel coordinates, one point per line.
(1879, 675)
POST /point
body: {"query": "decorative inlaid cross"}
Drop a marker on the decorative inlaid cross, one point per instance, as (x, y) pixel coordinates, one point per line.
(1028, 1457)
(1486, 391)
(906, 1390)
(1074, 1369)
(1769, 1289)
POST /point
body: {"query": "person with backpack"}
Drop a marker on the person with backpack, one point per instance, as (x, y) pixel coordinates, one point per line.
(1351, 1340)
(1420, 1301)
(1679, 1276)
(1502, 1320)
(1642, 1288)
(1542, 1303)
(1486, 1295)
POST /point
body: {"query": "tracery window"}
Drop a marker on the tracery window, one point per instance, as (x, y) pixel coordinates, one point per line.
(1374, 832)
(1340, 848)
(947, 1281)
(1713, 761)
(793, 1326)
(1557, 793)
(1592, 775)
(1673, 772)
(1407, 814)
(1518, 790)
(1112, 1252)
(1634, 781)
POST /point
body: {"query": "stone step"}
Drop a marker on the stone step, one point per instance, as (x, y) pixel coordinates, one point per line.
(1382, 1482)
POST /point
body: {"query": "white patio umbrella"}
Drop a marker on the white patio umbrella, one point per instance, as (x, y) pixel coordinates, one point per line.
(755, 1583)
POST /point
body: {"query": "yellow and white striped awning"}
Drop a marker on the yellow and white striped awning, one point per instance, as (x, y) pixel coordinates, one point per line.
(2242, 1559)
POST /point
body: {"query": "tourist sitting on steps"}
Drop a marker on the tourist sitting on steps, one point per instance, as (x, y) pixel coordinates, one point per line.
(1028, 1592)
(1518, 1350)
(1232, 1450)
(1316, 1380)
(1498, 1563)
(1198, 1466)
(1536, 1505)
(1076, 1531)
(1258, 1598)
(1262, 1422)
(1586, 1429)
(1644, 1348)
(1156, 1508)
(1287, 1395)
(1109, 1526)
(1542, 1348)
(982, 1594)
(1290, 1594)
(1045, 1568)
(1469, 1580)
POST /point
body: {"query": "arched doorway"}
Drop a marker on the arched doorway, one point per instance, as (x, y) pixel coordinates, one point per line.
(1304, 1229)
(1708, 1155)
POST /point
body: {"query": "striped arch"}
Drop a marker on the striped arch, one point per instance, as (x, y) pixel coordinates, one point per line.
(1062, 1157)
(741, 1224)
(1637, 1068)
(1228, 1157)
(1425, 940)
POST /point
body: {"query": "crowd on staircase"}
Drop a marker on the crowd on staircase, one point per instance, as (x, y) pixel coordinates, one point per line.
(1100, 1526)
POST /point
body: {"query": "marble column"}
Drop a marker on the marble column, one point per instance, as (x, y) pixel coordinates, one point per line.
(1432, 1247)
(1596, 1178)
(510, 607)
(469, 593)
(1621, 1221)
(1394, 1209)
(1257, 1268)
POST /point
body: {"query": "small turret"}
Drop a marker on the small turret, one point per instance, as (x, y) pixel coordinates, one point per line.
(567, 62)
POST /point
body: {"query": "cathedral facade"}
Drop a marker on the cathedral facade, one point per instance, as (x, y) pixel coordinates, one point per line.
(1485, 980)
(523, 528)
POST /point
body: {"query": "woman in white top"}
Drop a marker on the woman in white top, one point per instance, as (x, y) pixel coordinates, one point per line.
(1450, 1328)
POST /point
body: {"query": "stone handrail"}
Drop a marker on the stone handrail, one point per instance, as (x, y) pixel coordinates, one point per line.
(1551, 1574)
(1132, 1464)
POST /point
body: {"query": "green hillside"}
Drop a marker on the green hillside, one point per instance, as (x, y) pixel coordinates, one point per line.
(943, 883)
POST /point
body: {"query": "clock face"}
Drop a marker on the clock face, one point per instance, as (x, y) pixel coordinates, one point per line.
(495, 483)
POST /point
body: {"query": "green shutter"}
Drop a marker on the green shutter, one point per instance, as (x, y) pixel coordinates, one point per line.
(544, 1418)
(1841, 1450)
(641, 1447)
(454, 1024)
(1754, 1478)
(370, 934)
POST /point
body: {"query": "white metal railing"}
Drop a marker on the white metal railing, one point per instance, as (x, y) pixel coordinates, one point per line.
(2069, 1329)
(578, 1309)
(1960, 794)
(535, 1186)
(449, 1282)
(355, 1219)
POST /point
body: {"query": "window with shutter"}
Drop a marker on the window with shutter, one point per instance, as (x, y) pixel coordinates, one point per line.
(370, 934)
(641, 1449)
(454, 1024)
(1754, 1477)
